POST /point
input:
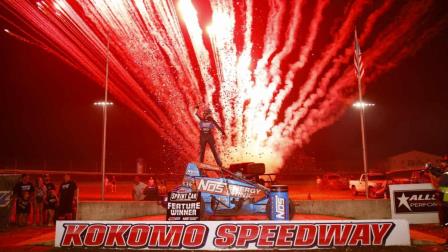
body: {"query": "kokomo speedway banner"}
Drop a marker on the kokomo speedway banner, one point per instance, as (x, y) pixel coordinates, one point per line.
(211, 235)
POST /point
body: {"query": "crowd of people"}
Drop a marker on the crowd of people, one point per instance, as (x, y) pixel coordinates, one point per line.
(153, 190)
(40, 202)
(43, 200)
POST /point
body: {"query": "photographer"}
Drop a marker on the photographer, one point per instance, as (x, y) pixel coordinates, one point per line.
(439, 179)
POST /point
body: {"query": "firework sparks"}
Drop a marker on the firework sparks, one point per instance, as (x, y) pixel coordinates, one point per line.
(272, 84)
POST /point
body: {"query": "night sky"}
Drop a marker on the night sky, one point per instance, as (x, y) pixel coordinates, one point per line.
(411, 112)
(48, 115)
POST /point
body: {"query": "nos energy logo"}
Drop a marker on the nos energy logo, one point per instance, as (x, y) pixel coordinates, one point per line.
(280, 208)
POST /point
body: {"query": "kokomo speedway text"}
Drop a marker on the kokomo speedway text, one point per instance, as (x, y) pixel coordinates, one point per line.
(219, 235)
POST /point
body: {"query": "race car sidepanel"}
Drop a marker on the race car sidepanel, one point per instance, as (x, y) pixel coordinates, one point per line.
(219, 187)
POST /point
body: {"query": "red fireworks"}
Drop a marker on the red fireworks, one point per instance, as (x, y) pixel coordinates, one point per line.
(272, 80)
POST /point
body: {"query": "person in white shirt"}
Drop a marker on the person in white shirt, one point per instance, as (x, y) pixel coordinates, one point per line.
(137, 191)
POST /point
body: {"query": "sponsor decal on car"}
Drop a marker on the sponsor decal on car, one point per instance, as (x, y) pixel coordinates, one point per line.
(280, 207)
(211, 186)
(221, 188)
(213, 235)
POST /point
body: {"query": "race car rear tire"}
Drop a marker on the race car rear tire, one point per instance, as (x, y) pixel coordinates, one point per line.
(292, 209)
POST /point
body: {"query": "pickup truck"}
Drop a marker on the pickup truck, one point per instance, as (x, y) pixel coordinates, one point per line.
(376, 182)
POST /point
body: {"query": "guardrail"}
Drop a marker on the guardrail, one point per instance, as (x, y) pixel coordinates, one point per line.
(363, 209)
(117, 210)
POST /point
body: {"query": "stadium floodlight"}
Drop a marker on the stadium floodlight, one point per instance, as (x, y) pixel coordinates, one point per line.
(364, 105)
(103, 103)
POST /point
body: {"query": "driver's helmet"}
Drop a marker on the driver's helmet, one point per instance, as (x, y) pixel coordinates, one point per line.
(207, 113)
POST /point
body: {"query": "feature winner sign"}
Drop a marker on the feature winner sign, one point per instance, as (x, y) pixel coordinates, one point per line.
(183, 206)
(211, 235)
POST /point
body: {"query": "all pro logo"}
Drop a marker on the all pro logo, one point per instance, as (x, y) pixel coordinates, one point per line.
(280, 207)
(415, 201)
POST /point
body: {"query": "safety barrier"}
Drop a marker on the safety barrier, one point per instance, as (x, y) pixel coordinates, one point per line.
(355, 209)
(117, 210)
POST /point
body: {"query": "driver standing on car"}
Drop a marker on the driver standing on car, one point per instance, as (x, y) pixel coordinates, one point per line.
(206, 125)
(439, 179)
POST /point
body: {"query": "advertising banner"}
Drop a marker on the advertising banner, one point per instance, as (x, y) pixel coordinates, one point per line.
(7, 182)
(5, 198)
(218, 235)
(183, 206)
(221, 188)
(414, 202)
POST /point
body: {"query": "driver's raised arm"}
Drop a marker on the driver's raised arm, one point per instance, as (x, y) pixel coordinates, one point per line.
(196, 113)
(218, 127)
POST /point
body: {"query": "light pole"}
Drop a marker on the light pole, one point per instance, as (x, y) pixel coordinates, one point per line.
(362, 106)
(104, 104)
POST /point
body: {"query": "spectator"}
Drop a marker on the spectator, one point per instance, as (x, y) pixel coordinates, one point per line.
(151, 191)
(14, 199)
(67, 199)
(51, 203)
(41, 194)
(319, 182)
(151, 182)
(106, 184)
(139, 187)
(162, 189)
(23, 208)
(114, 184)
(22, 188)
(50, 185)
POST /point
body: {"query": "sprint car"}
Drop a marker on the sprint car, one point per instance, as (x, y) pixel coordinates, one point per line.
(238, 190)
